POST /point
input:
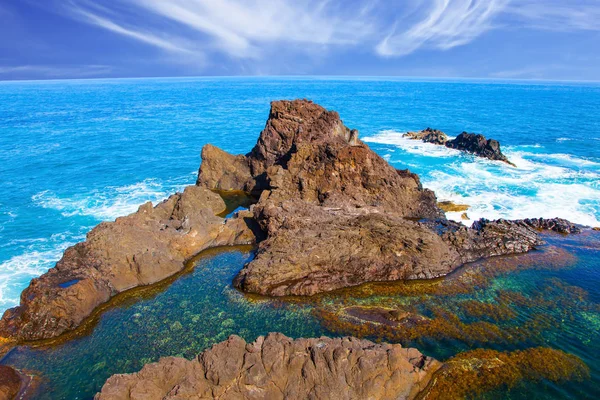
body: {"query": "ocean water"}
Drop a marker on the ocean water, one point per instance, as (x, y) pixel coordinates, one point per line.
(75, 153)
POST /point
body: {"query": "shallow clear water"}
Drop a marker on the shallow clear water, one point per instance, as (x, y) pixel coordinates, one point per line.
(74, 153)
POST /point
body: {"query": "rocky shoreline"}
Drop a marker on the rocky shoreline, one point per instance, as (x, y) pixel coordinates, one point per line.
(328, 213)
(467, 142)
(277, 367)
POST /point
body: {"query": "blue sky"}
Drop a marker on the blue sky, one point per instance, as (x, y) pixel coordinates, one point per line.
(507, 39)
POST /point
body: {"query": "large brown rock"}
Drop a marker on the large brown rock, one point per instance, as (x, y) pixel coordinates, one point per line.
(140, 249)
(313, 249)
(277, 367)
(336, 214)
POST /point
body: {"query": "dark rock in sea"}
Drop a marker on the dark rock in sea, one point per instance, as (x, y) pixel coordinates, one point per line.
(478, 145)
(140, 249)
(428, 135)
(558, 225)
(277, 367)
(10, 383)
(468, 142)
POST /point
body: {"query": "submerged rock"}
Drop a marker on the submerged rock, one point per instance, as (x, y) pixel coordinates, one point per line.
(140, 249)
(277, 367)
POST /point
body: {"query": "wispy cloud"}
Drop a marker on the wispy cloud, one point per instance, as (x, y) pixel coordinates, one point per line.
(53, 71)
(255, 29)
(239, 28)
(558, 15)
(446, 24)
(91, 13)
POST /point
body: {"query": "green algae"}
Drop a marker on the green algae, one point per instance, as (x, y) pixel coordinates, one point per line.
(506, 305)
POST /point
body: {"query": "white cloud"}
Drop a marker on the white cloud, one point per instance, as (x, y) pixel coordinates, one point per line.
(558, 15)
(53, 71)
(253, 29)
(86, 14)
(447, 24)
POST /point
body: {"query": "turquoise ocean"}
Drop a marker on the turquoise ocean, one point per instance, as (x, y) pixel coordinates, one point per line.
(76, 153)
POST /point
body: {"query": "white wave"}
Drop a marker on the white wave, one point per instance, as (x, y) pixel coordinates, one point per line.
(410, 145)
(39, 256)
(564, 139)
(495, 196)
(542, 185)
(565, 159)
(111, 203)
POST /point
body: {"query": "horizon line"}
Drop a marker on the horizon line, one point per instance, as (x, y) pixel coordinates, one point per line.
(348, 77)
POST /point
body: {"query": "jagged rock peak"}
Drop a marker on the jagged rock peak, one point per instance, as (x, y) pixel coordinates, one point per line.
(292, 122)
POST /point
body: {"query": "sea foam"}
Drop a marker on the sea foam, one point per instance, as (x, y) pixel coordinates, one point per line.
(542, 185)
(110, 203)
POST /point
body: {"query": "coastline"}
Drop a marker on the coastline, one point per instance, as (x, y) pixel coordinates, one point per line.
(521, 232)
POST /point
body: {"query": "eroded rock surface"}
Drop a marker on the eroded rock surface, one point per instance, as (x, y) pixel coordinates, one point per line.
(140, 249)
(336, 214)
(558, 225)
(277, 367)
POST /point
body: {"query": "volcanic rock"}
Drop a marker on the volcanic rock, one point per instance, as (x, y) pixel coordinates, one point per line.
(277, 367)
(140, 249)
(558, 225)
(337, 215)
(478, 145)
(428, 135)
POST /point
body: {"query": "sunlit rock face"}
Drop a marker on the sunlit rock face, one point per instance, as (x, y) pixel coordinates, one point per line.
(137, 250)
(277, 367)
(337, 215)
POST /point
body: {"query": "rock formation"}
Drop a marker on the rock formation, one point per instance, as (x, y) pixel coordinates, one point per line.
(140, 249)
(428, 135)
(467, 142)
(10, 383)
(478, 145)
(277, 367)
(336, 214)
(558, 225)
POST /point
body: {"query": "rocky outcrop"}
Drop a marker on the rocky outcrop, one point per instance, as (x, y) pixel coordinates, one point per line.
(340, 248)
(336, 214)
(277, 367)
(468, 142)
(558, 225)
(140, 249)
(10, 383)
(428, 135)
(478, 145)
